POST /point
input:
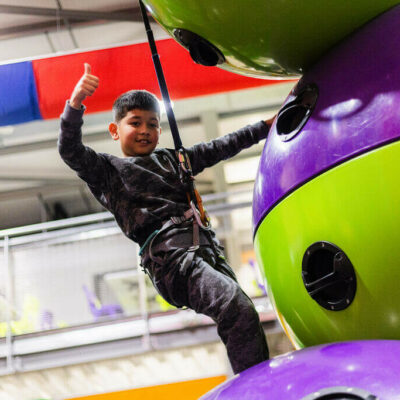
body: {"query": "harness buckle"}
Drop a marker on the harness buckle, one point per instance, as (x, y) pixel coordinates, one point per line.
(198, 218)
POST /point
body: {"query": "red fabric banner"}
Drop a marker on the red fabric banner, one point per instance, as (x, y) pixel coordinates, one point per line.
(130, 67)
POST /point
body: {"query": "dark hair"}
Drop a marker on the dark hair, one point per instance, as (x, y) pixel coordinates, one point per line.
(140, 99)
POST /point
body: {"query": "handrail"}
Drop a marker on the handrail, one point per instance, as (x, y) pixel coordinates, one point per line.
(105, 216)
(64, 223)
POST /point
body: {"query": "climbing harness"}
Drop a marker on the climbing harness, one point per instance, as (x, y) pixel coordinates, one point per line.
(196, 212)
(197, 239)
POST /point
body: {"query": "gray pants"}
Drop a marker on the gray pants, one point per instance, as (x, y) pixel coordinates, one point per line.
(204, 282)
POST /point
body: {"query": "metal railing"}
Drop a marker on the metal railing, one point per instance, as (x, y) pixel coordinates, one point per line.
(40, 249)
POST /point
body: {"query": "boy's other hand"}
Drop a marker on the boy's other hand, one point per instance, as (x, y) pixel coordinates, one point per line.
(270, 121)
(86, 86)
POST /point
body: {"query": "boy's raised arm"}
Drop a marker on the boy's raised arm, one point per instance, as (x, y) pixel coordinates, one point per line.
(204, 155)
(89, 165)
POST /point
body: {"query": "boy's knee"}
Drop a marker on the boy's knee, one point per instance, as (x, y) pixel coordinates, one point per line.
(240, 305)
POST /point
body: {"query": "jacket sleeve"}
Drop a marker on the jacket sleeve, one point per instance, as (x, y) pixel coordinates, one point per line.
(204, 155)
(89, 165)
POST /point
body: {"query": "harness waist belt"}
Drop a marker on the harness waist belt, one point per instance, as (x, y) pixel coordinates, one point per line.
(197, 239)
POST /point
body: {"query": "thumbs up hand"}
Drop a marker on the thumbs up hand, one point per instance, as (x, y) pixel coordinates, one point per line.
(86, 86)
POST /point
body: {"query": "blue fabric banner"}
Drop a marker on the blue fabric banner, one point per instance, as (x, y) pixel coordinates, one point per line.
(18, 95)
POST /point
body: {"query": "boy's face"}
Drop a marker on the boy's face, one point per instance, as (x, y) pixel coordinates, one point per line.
(138, 132)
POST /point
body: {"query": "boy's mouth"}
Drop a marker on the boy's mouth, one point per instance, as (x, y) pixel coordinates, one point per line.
(143, 141)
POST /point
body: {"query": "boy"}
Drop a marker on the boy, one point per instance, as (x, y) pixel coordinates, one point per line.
(146, 197)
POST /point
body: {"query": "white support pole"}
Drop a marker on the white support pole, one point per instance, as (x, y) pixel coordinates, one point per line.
(143, 302)
(8, 295)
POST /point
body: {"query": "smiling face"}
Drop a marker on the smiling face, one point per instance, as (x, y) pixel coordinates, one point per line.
(138, 132)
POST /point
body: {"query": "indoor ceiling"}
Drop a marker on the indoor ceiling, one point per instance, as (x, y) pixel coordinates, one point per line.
(40, 27)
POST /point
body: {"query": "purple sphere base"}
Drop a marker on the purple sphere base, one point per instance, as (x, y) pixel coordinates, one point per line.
(372, 366)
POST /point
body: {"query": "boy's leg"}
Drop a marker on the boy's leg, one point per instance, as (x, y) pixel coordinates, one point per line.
(210, 287)
(217, 295)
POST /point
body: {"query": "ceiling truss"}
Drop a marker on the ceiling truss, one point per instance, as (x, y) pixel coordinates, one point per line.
(70, 18)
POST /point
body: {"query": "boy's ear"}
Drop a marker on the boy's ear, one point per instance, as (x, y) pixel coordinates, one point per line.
(113, 129)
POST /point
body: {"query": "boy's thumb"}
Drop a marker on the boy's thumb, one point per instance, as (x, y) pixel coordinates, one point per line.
(88, 68)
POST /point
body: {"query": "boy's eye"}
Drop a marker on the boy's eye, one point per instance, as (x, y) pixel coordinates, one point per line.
(135, 123)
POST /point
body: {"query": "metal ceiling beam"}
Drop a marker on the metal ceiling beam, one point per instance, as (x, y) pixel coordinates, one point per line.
(46, 189)
(102, 135)
(37, 178)
(46, 144)
(87, 138)
(128, 14)
(48, 186)
(21, 30)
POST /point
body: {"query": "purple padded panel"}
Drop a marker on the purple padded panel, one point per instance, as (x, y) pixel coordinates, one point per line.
(357, 110)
